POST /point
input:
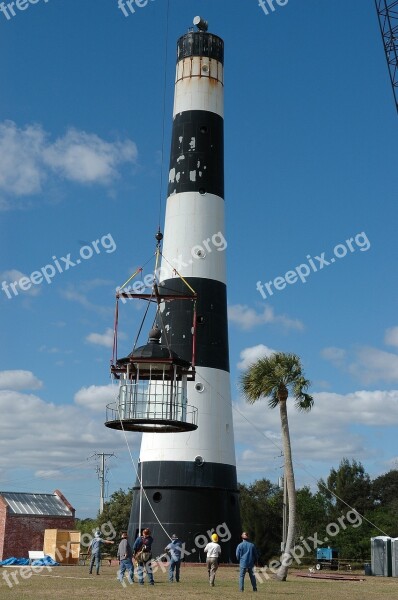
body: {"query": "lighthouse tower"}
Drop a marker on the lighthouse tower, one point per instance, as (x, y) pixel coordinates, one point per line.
(189, 478)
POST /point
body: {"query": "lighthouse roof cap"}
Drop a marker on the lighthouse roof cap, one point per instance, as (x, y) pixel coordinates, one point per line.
(153, 349)
(156, 351)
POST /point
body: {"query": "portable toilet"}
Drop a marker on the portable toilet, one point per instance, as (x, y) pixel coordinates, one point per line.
(394, 557)
(380, 549)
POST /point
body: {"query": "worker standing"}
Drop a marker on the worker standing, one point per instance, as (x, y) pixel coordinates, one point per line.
(213, 550)
(247, 555)
(95, 549)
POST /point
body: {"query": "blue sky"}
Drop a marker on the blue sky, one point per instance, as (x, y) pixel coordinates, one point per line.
(310, 152)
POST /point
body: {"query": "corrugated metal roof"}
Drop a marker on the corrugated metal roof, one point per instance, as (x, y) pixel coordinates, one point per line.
(36, 504)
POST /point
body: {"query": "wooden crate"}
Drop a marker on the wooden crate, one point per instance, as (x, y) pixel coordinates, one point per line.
(62, 545)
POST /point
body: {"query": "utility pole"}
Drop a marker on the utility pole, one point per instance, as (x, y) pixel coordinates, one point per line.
(101, 476)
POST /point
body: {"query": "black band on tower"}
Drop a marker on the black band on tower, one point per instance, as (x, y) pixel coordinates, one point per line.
(200, 43)
(199, 490)
(197, 153)
(212, 322)
(189, 474)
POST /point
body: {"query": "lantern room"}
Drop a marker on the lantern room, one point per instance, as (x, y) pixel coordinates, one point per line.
(153, 390)
(152, 393)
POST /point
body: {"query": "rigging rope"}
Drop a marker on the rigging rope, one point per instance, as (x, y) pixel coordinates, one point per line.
(139, 478)
(164, 107)
(179, 274)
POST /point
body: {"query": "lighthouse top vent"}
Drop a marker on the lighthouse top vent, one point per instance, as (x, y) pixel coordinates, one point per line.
(201, 24)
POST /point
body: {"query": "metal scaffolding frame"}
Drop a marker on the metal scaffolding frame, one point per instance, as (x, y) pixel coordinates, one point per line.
(387, 11)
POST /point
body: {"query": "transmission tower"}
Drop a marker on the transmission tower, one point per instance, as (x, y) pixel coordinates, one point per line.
(387, 11)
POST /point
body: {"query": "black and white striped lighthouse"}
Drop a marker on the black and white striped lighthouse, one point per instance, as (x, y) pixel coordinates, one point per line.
(190, 478)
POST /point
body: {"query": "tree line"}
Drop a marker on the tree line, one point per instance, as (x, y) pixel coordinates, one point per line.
(348, 508)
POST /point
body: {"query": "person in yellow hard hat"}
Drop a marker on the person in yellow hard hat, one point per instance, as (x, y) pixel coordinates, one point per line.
(213, 550)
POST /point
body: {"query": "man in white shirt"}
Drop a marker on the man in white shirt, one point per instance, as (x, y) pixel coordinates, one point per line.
(213, 551)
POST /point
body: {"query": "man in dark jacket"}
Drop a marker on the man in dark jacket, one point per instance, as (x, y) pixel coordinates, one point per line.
(125, 556)
(144, 543)
(247, 555)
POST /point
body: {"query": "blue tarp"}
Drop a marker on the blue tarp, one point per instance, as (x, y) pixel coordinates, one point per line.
(14, 561)
(21, 562)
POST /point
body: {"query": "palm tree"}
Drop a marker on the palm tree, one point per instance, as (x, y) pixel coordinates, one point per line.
(273, 377)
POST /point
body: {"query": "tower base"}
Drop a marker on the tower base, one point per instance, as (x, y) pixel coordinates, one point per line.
(199, 500)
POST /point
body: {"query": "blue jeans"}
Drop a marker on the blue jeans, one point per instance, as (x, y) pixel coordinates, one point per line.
(95, 558)
(126, 565)
(140, 572)
(174, 565)
(242, 574)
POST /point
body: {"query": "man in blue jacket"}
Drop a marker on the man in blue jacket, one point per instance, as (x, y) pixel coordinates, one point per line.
(95, 550)
(175, 549)
(247, 555)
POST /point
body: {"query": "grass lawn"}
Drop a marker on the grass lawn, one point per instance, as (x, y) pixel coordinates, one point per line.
(66, 583)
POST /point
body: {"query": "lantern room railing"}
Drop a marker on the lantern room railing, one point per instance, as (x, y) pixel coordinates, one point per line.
(159, 406)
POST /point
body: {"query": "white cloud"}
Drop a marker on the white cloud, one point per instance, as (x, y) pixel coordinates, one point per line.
(370, 408)
(250, 355)
(335, 355)
(57, 437)
(19, 380)
(28, 158)
(365, 363)
(323, 436)
(48, 473)
(247, 318)
(14, 276)
(21, 169)
(76, 294)
(101, 339)
(391, 336)
(49, 350)
(86, 158)
(96, 397)
(373, 365)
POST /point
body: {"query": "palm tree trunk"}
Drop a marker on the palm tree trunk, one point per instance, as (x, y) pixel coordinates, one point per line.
(291, 492)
